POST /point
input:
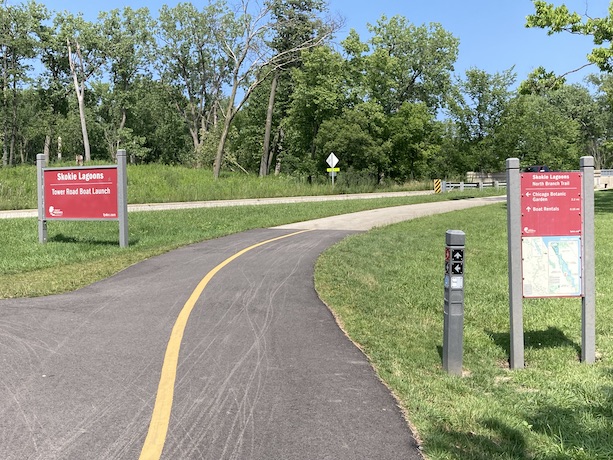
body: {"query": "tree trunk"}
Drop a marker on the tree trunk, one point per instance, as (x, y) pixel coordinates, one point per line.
(47, 148)
(230, 113)
(265, 161)
(80, 90)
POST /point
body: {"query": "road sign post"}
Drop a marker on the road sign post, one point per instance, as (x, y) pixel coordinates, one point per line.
(332, 170)
(453, 312)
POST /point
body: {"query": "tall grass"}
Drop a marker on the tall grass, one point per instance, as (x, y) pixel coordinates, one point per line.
(161, 184)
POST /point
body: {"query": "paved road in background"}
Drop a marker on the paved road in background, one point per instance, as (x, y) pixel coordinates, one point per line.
(242, 202)
(263, 371)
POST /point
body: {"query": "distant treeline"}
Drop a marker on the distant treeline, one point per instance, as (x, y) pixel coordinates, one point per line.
(267, 89)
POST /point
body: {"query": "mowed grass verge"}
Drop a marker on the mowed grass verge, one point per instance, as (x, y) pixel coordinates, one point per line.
(79, 253)
(386, 289)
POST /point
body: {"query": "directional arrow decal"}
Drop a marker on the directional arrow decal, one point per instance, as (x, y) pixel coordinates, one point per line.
(457, 268)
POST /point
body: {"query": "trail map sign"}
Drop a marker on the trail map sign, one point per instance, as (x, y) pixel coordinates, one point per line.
(551, 227)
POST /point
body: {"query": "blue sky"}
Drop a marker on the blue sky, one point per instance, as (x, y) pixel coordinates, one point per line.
(491, 32)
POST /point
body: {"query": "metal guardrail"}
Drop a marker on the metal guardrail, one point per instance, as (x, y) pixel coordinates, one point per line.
(461, 186)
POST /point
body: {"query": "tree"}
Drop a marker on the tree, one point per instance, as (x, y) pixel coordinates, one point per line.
(601, 147)
(128, 48)
(190, 61)
(409, 63)
(18, 44)
(294, 22)
(538, 132)
(415, 140)
(560, 19)
(477, 105)
(319, 95)
(540, 81)
(85, 58)
(245, 42)
(359, 138)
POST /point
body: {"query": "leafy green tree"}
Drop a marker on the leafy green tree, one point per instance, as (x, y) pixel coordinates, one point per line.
(409, 63)
(319, 95)
(358, 137)
(415, 140)
(128, 49)
(246, 41)
(166, 136)
(477, 105)
(537, 132)
(18, 45)
(540, 81)
(295, 22)
(190, 61)
(560, 19)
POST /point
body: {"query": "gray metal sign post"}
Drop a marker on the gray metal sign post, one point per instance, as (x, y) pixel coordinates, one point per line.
(588, 301)
(122, 197)
(42, 222)
(516, 358)
(453, 315)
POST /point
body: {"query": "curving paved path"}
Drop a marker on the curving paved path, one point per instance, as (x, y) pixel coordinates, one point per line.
(263, 371)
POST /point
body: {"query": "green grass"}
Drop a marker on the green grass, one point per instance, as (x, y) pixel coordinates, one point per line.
(162, 184)
(78, 253)
(386, 288)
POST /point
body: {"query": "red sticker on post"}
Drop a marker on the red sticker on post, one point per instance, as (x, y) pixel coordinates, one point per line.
(551, 204)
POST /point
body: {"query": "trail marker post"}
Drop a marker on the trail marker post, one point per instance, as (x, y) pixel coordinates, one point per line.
(453, 314)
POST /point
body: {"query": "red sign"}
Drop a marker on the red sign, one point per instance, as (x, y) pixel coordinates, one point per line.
(81, 193)
(551, 204)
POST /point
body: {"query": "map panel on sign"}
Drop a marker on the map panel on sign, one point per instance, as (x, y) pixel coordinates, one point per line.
(551, 266)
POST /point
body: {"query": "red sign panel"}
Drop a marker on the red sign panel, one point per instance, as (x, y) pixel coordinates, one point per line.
(81, 193)
(551, 204)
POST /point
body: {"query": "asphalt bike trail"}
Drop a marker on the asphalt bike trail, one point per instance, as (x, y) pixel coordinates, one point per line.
(261, 370)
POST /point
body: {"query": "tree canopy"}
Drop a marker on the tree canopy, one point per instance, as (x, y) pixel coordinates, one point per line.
(264, 87)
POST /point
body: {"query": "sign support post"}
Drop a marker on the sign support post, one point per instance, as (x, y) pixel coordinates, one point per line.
(588, 301)
(122, 198)
(42, 222)
(332, 161)
(516, 358)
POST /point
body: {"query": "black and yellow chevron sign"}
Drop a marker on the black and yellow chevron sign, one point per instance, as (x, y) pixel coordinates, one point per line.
(437, 185)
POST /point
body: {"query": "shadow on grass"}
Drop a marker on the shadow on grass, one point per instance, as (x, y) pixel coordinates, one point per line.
(552, 337)
(569, 436)
(603, 201)
(502, 441)
(61, 238)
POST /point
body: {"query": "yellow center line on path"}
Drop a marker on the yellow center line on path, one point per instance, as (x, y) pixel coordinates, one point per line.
(160, 418)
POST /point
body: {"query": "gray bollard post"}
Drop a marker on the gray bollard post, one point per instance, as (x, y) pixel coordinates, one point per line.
(453, 325)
